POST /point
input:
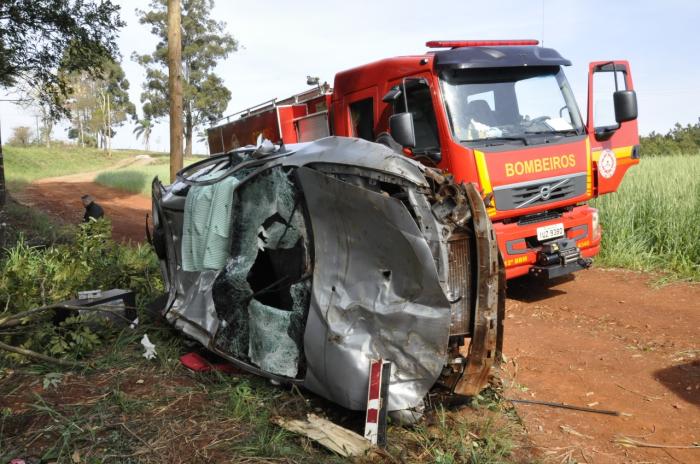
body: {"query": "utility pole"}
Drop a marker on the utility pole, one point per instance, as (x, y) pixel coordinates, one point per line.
(175, 86)
(2, 176)
(109, 130)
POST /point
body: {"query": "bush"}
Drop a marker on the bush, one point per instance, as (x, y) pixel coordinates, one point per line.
(21, 136)
(32, 277)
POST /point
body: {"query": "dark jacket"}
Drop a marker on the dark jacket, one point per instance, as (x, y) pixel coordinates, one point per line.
(93, 210)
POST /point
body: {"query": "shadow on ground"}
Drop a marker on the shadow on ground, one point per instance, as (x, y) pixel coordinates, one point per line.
(530, 289)
(683, 380)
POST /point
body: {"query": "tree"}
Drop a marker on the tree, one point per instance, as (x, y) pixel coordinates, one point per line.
(204, 43)
(175, 85)
(113, 101)
(80, 104)
(39, 36)
(143, 130)
(35, 36)
(21, 136)
(98, 104)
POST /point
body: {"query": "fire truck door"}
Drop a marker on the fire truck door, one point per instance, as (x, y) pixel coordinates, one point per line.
(612, 123)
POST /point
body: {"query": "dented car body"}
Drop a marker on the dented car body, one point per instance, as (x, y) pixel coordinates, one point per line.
(303, 263)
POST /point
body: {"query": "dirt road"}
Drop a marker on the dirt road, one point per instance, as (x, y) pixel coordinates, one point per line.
(609, 340)
(605, 338)
(60, 197)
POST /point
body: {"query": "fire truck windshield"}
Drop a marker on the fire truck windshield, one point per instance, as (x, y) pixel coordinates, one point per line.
(510, 105)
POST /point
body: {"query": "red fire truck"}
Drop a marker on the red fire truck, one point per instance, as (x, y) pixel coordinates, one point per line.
(500, 114)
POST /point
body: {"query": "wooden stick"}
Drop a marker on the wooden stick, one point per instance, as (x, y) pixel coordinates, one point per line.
(14, 319)
(646, 397)
(626, 441)
(39, 356)
(565, 406)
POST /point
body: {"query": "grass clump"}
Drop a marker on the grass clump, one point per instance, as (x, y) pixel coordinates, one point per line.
(482, 433)
(134, 179)
(137, 179)
(30, 225)
(653, 221)
(247, 403)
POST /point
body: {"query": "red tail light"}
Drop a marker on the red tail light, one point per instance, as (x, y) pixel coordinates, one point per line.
(478, 43)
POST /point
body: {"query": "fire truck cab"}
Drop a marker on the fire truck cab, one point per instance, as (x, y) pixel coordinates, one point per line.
(499, 114)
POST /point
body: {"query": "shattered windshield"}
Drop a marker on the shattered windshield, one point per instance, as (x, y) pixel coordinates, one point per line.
(510, 105)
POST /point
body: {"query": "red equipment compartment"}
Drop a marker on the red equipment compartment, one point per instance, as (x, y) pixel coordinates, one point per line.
(244, 131)
(299, 118)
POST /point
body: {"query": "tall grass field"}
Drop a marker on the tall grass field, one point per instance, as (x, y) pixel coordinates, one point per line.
(653, 221)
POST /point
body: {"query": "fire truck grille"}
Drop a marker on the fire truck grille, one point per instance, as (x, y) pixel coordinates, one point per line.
(459, 283)
(539, 192)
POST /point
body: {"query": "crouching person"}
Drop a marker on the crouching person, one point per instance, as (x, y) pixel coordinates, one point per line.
(92, 209)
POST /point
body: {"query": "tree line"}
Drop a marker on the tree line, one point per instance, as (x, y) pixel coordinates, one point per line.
(679, 140)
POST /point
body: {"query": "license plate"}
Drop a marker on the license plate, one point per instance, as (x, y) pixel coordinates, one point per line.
(549, 232)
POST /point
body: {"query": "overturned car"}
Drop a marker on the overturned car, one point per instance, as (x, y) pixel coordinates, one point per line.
(304, 263)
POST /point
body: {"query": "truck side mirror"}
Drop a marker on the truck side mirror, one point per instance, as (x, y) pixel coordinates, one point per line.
(625, 102)
(401, 127)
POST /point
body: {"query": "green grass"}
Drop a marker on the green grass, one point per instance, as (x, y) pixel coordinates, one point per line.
(138, 179)
(474, 436)
(653, 221)
(27, 164)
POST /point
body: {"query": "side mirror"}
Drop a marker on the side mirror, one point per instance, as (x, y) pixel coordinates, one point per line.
(401, 127)
(625, 102)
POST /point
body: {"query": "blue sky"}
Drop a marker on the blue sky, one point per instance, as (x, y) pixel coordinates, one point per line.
(283, 41)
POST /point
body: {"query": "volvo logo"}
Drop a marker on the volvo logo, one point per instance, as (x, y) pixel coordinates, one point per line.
(545, 192)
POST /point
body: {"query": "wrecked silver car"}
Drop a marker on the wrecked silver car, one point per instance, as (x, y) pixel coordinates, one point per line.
(303, 263)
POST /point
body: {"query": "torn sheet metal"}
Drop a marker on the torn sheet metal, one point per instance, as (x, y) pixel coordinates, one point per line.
(339, 251)
(376, 296)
